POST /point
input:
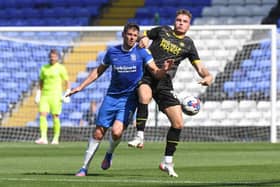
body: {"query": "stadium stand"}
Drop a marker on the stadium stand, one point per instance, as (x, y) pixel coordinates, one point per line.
(50, 12)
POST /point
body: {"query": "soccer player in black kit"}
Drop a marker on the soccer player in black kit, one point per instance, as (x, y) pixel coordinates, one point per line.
(167, 43)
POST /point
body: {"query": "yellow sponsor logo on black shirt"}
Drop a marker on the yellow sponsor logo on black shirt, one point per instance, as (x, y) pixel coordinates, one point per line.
(170, 47)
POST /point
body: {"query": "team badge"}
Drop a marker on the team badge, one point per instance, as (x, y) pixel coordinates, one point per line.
(182, 44)
(133, 57)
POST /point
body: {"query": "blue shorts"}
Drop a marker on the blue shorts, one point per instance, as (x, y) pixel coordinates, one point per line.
(121, 108)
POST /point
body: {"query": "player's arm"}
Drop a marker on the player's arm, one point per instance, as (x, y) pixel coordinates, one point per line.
(203, 72)
(145, 37)
(160, 72)
(200, 68)
(97, 72)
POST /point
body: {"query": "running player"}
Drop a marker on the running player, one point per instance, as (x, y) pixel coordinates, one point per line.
(167, 43)
(120, 103)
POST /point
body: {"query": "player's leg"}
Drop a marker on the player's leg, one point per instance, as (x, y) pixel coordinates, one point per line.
(126, 108)
(56, 130)
(93, 145)
(174, 114)
(43, 109)
(144, 98)
(105, 119)
(170, 105)
(55, 108)
(115, 139)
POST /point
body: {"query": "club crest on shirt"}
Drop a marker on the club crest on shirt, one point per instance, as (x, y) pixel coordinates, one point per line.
(182, 44)
(133, 57)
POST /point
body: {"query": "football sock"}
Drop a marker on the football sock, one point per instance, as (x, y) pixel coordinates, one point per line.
(140, 134)
(168, 159)
(56, 129)
(93, 145)
(43, 127)
(141, 116)
(113, 145)
(172, 141)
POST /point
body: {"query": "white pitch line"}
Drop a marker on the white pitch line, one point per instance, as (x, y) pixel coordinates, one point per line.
(174, 181)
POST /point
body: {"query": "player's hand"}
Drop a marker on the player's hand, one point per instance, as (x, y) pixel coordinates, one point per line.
(168, 64)
(65, 97)
(144, 42)
(38, 96)
(73, 91)
(206, 81)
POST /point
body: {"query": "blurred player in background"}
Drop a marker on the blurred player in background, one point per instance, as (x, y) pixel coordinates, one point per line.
(120, 103)
(49, 96)
(167, 43)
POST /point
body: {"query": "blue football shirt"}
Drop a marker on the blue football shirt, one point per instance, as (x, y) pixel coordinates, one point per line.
(127, 67)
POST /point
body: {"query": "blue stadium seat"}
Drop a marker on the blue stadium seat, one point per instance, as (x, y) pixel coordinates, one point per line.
(168, 3)
(263, 86)
(248, 64)
(4, 107)
(5, 76)
(256, 54)
(238, 75)
(229, 88)
(75, 117)
(69, 107)
(96, 95)
(263, 65)
(79, 97)
(255, 75)
(91, 65)
(84, 107)
(82, 76)
(244, 86)
(14, 96)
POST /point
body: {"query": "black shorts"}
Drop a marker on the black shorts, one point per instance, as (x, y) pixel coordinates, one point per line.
(162, 90)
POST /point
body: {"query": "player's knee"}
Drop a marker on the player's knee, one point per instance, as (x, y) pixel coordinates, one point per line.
(98, 134)
(177, 125)
(43, 114)
(144, 94)
(116, 135)
(145, 98)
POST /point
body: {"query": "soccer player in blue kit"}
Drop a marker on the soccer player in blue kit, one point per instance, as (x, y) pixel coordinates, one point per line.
(127, 61)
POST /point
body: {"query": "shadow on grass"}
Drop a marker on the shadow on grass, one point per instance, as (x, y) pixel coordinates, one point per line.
(111, 175)
(58, 174)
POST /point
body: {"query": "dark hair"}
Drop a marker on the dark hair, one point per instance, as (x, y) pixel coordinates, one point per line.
(185, 12)
(130, 26)
(54, 51)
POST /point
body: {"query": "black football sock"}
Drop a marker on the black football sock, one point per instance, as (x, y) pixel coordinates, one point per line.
(172, 141)
(141, 116)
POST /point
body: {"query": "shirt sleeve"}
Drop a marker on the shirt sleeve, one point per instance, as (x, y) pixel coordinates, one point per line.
(193, 55)
(146, 55)
(106, 59)
(153, 33)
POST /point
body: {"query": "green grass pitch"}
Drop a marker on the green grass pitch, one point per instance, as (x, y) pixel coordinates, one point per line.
(198, 164)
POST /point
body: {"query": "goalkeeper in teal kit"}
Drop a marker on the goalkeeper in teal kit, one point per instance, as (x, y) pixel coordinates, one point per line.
(127, 61)
(49, 96)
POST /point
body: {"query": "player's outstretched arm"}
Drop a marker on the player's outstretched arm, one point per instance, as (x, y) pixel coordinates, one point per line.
(203, 72)
(91, 78)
